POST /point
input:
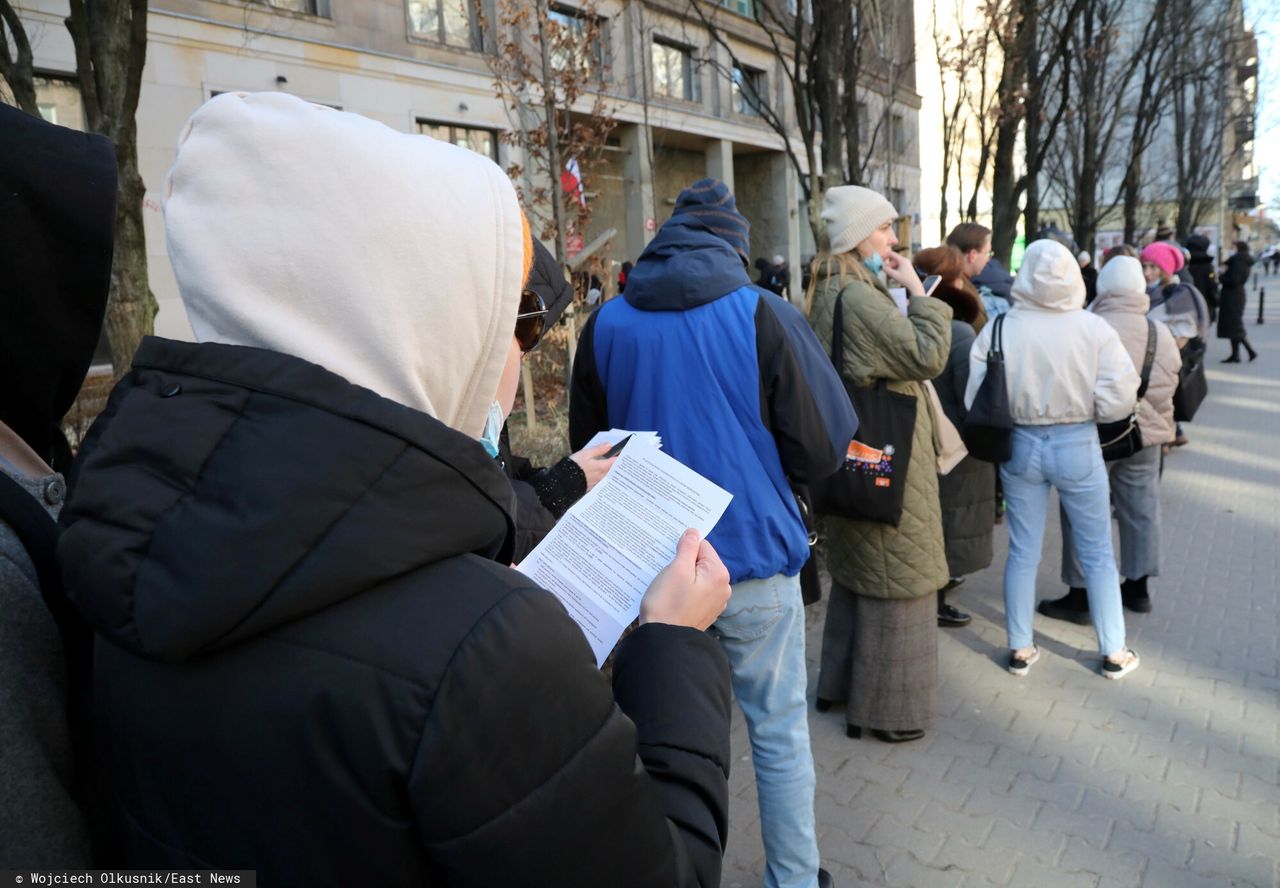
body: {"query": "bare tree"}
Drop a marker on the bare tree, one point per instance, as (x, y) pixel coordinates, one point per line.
(110, 39)
(1145, 115)
(1035, 90)
(549, 61)
(1083, 162)
(16, 60)
(837, 57)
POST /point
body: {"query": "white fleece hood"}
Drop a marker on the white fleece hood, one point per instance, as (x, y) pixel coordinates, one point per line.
(1122, 286)
(1049, 278)
(393, 260)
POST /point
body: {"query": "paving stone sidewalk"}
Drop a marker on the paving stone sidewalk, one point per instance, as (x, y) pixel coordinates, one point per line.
(1165, 779)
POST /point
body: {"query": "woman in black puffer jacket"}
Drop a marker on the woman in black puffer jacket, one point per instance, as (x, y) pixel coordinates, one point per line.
(312, 657)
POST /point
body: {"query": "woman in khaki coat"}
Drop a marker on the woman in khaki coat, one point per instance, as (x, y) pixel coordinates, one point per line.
(879, 645)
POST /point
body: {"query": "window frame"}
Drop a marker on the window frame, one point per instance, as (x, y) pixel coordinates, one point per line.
(495, 136)
(754, 81)
(598, 51)
(690, 73)
(440, 38)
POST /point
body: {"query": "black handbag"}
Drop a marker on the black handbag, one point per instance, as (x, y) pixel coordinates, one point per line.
(988, 427)
(1122, 439)
(871, 484)
(1192, 384)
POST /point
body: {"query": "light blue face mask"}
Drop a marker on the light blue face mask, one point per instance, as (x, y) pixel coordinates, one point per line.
(874, 263)
(492, 429)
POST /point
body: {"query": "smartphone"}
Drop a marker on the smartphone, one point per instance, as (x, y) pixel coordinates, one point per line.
(616, 448)
(931, 283)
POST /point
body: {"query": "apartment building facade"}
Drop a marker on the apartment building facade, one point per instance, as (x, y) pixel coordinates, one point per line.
(681, 99)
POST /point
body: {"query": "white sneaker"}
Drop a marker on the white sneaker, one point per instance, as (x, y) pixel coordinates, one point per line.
(1127, 664)
(1018, 666)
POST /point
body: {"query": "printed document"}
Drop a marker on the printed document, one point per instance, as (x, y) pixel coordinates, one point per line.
(613, 436)
(602, 555)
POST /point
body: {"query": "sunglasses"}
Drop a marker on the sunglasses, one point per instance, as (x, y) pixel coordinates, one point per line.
(530, 321)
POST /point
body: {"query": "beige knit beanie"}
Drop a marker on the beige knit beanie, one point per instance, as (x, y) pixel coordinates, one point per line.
(852, 213)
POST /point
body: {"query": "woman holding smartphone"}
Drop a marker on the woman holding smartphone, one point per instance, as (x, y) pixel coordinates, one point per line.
(879, 645)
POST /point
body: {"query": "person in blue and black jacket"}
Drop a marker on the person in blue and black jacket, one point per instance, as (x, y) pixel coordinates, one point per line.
(733, 379)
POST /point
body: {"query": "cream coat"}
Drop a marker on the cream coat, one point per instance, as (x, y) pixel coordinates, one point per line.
(1062, 364)
(1123, 303)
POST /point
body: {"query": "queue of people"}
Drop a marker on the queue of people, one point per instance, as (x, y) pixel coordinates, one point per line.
(286, 547)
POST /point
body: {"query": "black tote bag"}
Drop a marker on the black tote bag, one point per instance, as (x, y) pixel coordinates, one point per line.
(988, 427)
(1193, 387)
(872, 482)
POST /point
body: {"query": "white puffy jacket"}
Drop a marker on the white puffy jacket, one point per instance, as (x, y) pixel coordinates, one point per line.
(1062, 363)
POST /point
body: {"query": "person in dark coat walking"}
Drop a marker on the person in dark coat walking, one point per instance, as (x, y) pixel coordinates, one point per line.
(968, 492)
(57, 227)
(1203, 274)
(1235, 277)
(313, 659)
(1090, 276)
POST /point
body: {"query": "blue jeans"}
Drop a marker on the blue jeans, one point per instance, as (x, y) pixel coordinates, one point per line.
(762, 633)
(1135, 497)
(1068, 458)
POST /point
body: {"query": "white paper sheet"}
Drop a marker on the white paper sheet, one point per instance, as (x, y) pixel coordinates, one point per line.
(900, 297)
(602, 555)
(613, 436)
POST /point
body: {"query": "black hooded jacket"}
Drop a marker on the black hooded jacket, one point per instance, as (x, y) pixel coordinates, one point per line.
(57, 225)
(314, 662)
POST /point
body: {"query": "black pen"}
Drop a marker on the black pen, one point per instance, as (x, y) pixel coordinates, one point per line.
(615, 449)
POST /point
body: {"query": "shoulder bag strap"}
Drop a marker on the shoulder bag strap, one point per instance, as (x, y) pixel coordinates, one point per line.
(837, 335)
(997, 338)
(1148, 359)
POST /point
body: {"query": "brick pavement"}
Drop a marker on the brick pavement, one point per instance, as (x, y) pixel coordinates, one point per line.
(1167, 778)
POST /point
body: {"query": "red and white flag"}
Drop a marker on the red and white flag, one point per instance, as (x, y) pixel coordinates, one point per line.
(571, 180)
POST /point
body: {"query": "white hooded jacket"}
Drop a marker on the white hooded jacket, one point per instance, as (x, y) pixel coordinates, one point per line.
(1062, 364)
(331, 237)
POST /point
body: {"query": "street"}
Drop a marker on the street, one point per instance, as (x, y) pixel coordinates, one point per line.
(1167, 778)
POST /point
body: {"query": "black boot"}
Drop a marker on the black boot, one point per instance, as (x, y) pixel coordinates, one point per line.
(1134, 595)
(1072, 607)
(1253, 352)
(1235, 353)
(950, 617)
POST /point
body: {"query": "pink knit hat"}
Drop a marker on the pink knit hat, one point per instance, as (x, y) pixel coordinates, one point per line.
(1168, 257)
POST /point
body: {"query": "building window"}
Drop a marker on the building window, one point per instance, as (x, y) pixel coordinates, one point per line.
(741, 7)
(58, 100)
(583, 42)
(749, 90)
(306, 7)
(451, 22)
(898, 133)
(481, 141)
(673, 71)
(864, 123)
(898, 198)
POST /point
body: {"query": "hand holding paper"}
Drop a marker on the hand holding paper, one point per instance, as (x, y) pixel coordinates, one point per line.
(608, 549)
(690, 591)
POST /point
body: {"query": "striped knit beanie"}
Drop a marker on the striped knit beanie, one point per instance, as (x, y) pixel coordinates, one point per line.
(711, 201)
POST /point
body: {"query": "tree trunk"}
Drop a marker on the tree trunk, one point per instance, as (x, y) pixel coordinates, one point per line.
(1132, 189)
(131, 307)
(110, 40)
(553, 137)
(16, 69)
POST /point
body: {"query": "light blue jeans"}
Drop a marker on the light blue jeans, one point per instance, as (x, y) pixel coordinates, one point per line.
(762, 633)
(1068, 458)
(1135, 497)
